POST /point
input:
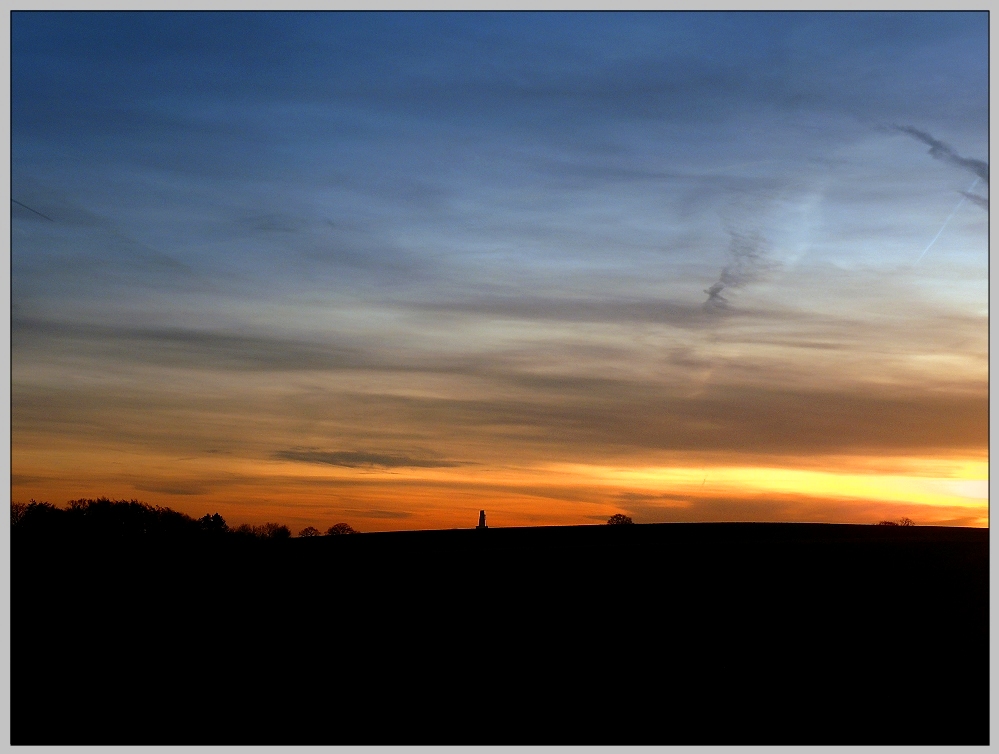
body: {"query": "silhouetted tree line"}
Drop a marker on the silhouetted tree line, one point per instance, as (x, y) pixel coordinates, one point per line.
(312, 531)
(131, 520)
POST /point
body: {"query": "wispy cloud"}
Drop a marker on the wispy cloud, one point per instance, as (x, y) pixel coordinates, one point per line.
(179, 346)
(981, 201)
(380, 242)
(175, 489)
(747, 262)
(375, 513)
(575, 309)
(356, 459)
(942, 151)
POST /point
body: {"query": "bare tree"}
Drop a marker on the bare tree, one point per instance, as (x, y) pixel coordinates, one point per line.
(271, 530)
(309, 531)
(268, 530)
(340, 529)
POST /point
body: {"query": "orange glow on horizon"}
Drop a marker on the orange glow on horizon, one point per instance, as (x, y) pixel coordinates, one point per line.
(953, 491)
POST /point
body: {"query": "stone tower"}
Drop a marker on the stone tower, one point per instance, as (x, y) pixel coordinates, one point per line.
(482, 520)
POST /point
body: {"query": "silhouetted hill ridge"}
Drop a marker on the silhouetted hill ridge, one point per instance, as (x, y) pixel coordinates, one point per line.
(706, 633)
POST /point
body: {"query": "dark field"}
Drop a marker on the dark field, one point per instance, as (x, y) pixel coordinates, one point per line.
(642, 634)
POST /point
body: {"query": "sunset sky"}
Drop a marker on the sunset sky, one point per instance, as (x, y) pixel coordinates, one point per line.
(391, 268)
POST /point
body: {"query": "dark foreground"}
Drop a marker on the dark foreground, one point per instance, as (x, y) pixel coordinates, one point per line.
(643, 634)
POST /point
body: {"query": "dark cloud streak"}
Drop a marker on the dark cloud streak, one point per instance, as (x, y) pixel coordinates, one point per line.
(355, 459)
(674, 313)
(755, 420)
(746, 263)
(941, 151)
(981, 201)
(177, 346)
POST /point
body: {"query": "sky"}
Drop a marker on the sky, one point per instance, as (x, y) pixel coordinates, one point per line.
(394, 268)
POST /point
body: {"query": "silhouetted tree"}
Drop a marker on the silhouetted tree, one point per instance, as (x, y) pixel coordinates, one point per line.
(167, 523)
(619, 518)
(244, 530)
(104, 519)
(309, 531)
(271, 530)
(37, 518)
(901, 522)
(128, 519)
(213, 524)
(340, 529)
(886, 523)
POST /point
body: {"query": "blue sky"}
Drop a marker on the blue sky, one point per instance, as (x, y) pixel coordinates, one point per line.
(491, 240)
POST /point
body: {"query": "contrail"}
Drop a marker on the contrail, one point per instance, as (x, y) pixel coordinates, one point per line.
(981, 201)
(949, 218)
(19, 204)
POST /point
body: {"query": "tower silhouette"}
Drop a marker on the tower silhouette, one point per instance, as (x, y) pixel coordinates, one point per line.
(482, 520)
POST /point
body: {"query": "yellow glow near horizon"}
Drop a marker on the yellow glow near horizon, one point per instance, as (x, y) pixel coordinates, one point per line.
(851, 489)
(966, 485)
